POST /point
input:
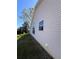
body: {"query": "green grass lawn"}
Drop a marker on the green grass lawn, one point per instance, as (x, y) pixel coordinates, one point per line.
(21, 35)
(28, 49)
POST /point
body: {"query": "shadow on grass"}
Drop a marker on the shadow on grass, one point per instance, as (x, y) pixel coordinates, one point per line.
(28, 49)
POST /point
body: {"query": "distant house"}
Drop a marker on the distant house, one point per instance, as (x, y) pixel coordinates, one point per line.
(46, 26)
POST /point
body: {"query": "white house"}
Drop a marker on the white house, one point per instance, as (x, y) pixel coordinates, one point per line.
(46, 26)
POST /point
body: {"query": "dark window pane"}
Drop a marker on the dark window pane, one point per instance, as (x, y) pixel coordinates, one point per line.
(33, 30)
(41, 25)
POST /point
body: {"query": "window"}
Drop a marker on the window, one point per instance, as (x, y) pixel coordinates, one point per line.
(41, 25)
(33, 30)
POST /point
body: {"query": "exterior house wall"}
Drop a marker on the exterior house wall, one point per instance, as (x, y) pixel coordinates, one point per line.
(50, 37)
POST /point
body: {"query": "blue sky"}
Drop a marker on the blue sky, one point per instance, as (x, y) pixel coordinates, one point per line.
(21, 4)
